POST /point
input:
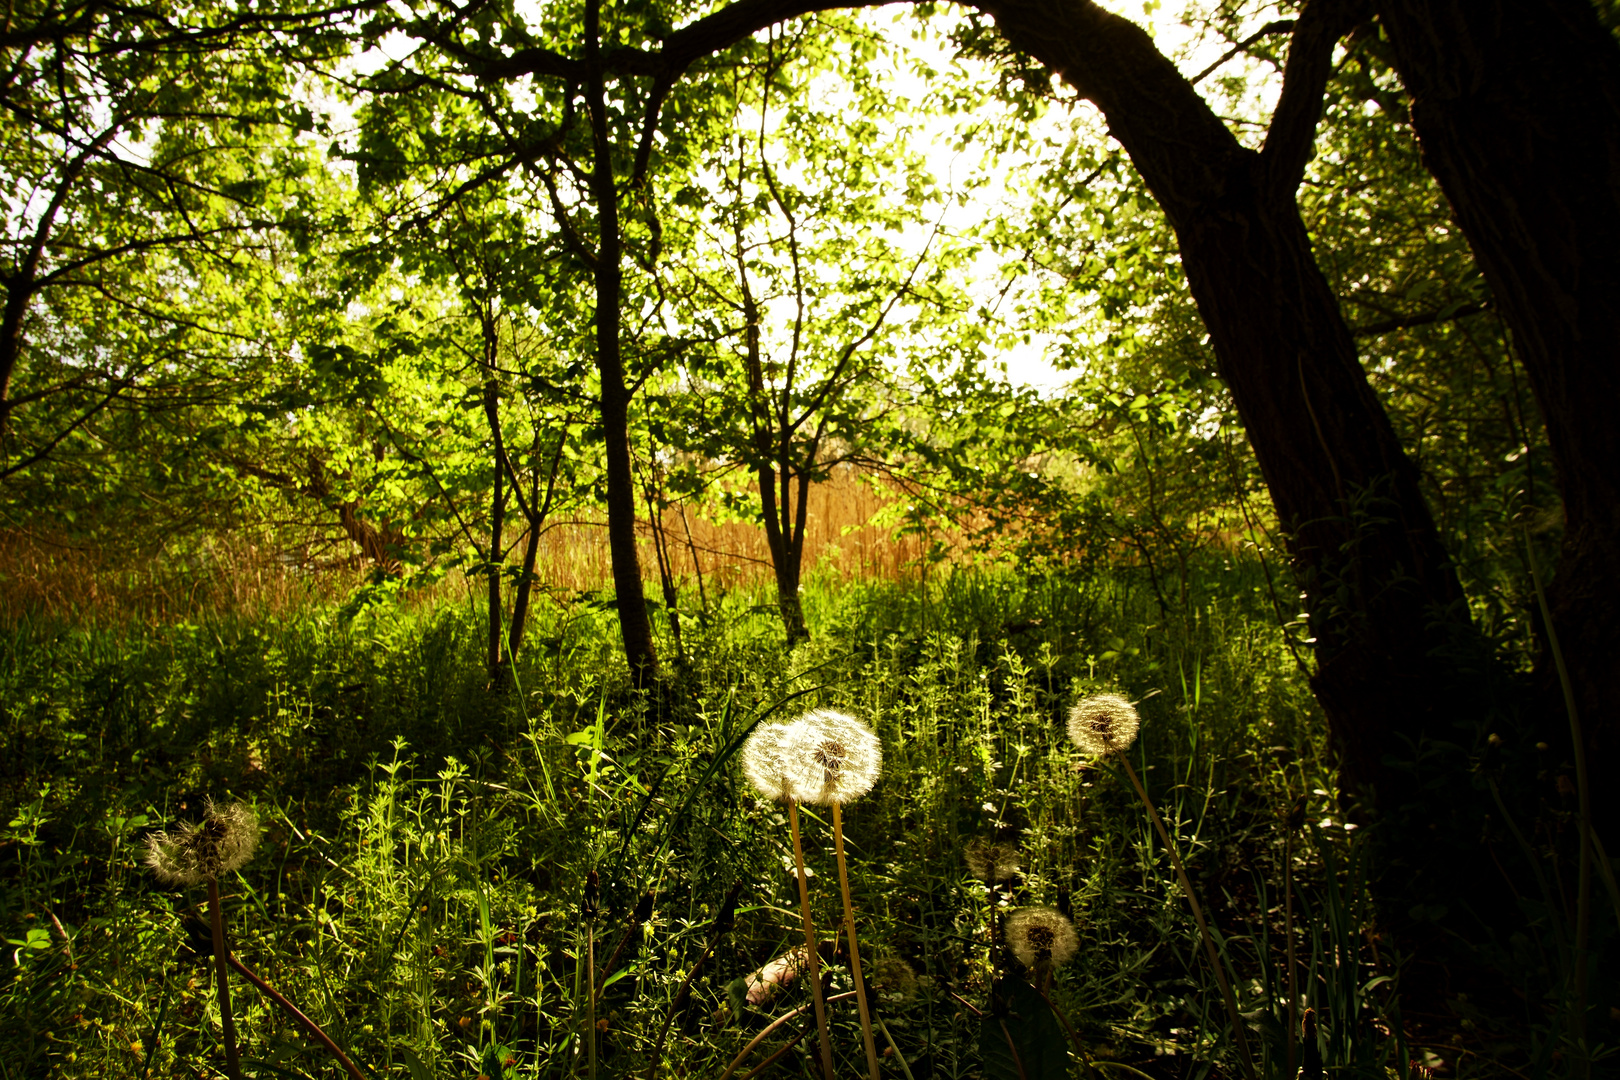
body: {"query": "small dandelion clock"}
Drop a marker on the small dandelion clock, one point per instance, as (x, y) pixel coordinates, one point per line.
(186, 855)
(1104, 726)
(1041, 937)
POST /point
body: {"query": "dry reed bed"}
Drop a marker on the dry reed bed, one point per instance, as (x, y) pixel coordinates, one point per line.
(240, 574)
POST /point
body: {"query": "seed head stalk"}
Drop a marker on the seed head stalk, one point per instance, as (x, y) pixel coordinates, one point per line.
(1288, 929)
(810, 957)
(854, 951)
(1203, 926)
(233, 1063)
(197, 855)
(1583, 897)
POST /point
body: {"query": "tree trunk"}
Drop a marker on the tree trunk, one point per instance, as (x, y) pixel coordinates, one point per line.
(634, 625)
(785, 539)
(1384, 602)
(1517, 106)
(497, 522)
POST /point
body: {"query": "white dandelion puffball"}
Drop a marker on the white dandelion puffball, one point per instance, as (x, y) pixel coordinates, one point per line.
(1041, 937)
(992, 861)
(1103, 724)
(222, 842)
(762, 760)
(822, 758)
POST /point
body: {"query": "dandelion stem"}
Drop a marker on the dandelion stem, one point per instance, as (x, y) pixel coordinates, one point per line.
(297, 1014)
(233, 1064)
(810, 957)
(1074, 1036)
(854, 952)
(1238, 1034)
(894, 1046)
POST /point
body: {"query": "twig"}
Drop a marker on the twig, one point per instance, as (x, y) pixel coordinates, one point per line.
(297, 1014)
(766, 1033)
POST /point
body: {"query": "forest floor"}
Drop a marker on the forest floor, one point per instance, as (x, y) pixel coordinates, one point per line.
(419, 887)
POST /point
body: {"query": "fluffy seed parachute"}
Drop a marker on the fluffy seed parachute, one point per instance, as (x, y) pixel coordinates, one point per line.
(221, 843)
(992, 861)
(1103, 724)
(1041, 937)
(821, 758)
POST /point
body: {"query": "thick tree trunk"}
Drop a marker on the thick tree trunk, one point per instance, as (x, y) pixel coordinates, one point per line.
(1517, 106)
(1384, 601)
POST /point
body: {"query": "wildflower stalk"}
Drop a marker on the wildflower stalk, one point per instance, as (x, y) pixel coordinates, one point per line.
(854, 951)
(590, 1008)
(810, 956)
(1296, 818)
(593, 892)
(297, 1014)
(233, 1063)
(1203, 926)
(642, 912)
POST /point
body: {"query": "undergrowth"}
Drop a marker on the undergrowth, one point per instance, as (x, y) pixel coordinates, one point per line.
(418, 890)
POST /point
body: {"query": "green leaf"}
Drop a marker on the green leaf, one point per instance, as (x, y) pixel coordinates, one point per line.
(414, 1064)
(1025, 1025)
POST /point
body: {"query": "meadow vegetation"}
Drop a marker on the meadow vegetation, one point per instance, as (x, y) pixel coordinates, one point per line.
(427, 840)
(436, 438)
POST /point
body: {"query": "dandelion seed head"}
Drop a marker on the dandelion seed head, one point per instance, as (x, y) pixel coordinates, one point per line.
(831, 758)
(823, 757)
(1103, 724)
(763, 763)
(992, 861)
(1041, 937)
(221, 843)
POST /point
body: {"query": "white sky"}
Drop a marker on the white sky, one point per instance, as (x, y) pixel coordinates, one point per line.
(1027, 363)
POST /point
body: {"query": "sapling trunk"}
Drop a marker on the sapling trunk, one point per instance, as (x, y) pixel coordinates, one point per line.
(854, 951)
(810, 957)
(1238, 1034)
(233, 1064)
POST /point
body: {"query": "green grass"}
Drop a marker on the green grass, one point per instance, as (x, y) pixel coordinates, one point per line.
(426, 841)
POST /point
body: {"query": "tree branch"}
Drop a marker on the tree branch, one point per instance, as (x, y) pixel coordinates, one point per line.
(1292, 134)
(1404, 322)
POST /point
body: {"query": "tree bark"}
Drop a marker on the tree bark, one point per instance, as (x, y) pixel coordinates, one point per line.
(634, 625)
(1516, 104)
(1384, 602)
(497, 521)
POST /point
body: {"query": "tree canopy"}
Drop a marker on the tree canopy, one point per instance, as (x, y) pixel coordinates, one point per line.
(412, 282)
